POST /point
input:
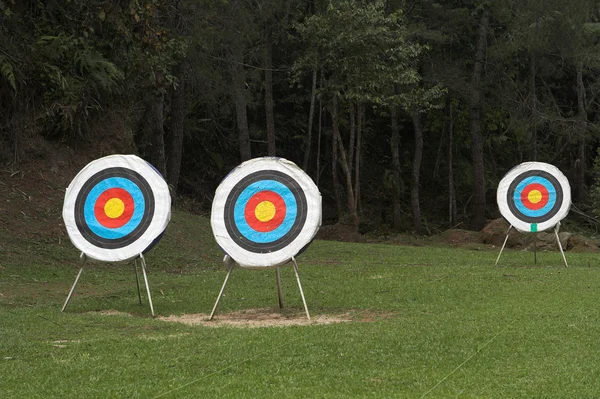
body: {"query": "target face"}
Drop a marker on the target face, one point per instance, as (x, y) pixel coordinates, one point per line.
(265, 211)
(534, 196)
(116, 208)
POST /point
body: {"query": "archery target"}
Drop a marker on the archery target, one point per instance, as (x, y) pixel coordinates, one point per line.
(534, 196)
(116, 208)
(265, 211)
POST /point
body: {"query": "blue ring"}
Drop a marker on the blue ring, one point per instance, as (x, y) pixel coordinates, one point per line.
(535, 212)
(240, 206)
(97, 190)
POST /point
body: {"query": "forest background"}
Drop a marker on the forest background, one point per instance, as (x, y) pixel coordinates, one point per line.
(405, 113)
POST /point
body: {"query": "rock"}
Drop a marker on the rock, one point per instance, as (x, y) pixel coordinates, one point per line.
(546, 241)
(495, 232)
(582, 244)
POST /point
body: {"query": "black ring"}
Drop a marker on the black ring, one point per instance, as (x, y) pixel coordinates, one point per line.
(510, 195)
(141, 228)
(280, 243)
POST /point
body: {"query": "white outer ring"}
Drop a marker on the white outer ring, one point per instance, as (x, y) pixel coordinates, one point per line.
(160, 220)
(508, 179)
(311, 226)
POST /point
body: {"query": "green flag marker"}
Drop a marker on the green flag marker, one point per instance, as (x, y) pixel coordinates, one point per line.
(533, 227)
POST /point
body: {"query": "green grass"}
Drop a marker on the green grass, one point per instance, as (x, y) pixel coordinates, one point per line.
(429, 321)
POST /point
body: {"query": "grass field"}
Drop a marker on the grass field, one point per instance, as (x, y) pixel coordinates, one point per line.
(428, 322)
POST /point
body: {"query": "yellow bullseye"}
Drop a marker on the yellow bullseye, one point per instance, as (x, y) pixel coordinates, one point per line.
(114, 208)
(534, 196)
(265, 211)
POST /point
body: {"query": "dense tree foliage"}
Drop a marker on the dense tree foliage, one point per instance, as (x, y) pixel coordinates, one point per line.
(406, 113)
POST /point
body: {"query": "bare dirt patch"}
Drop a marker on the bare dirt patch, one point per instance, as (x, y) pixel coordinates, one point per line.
(268, 317)
(110, 312)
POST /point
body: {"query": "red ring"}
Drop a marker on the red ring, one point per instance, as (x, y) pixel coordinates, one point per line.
(525, 196)
(103, 218)
(280, 211)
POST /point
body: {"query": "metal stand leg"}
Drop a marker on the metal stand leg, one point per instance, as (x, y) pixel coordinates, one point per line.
(230, 263)
(559, 244)
(300, 286)
(82, 260)
(505, 240)
(137, 280)
(279, 290)
(143, 261)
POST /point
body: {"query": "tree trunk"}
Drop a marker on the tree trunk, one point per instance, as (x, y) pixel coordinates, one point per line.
(269, 93)
(359, 129)
(532, 93)
(344, 163)
(395, 142)
(438, 159)
(580, 188)
(475, 126)
(452, 212)
(155, 133)
(238, 75)
(311, 114)
(155, 127)
(318, 174)
(175, 137)
(414, 190)
(352, 137)
(334, 158)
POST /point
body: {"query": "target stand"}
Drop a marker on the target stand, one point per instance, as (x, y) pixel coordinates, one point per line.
(534, 197)
(230, 264)
(265, 212)
(83, 260)
(556, 228)
(116, 209)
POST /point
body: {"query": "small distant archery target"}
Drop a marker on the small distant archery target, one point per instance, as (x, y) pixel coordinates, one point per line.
(265, 211)
(534, 196)
(116, 208)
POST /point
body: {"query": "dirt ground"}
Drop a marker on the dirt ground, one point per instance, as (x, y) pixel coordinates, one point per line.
(265, 317)
(256, 318)
(32, 193)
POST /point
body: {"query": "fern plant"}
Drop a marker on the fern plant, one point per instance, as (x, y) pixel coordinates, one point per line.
(8, 72)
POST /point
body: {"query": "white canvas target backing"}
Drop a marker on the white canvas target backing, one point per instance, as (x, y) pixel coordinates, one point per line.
(265, 211)
(116, 208)
(534, 196)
